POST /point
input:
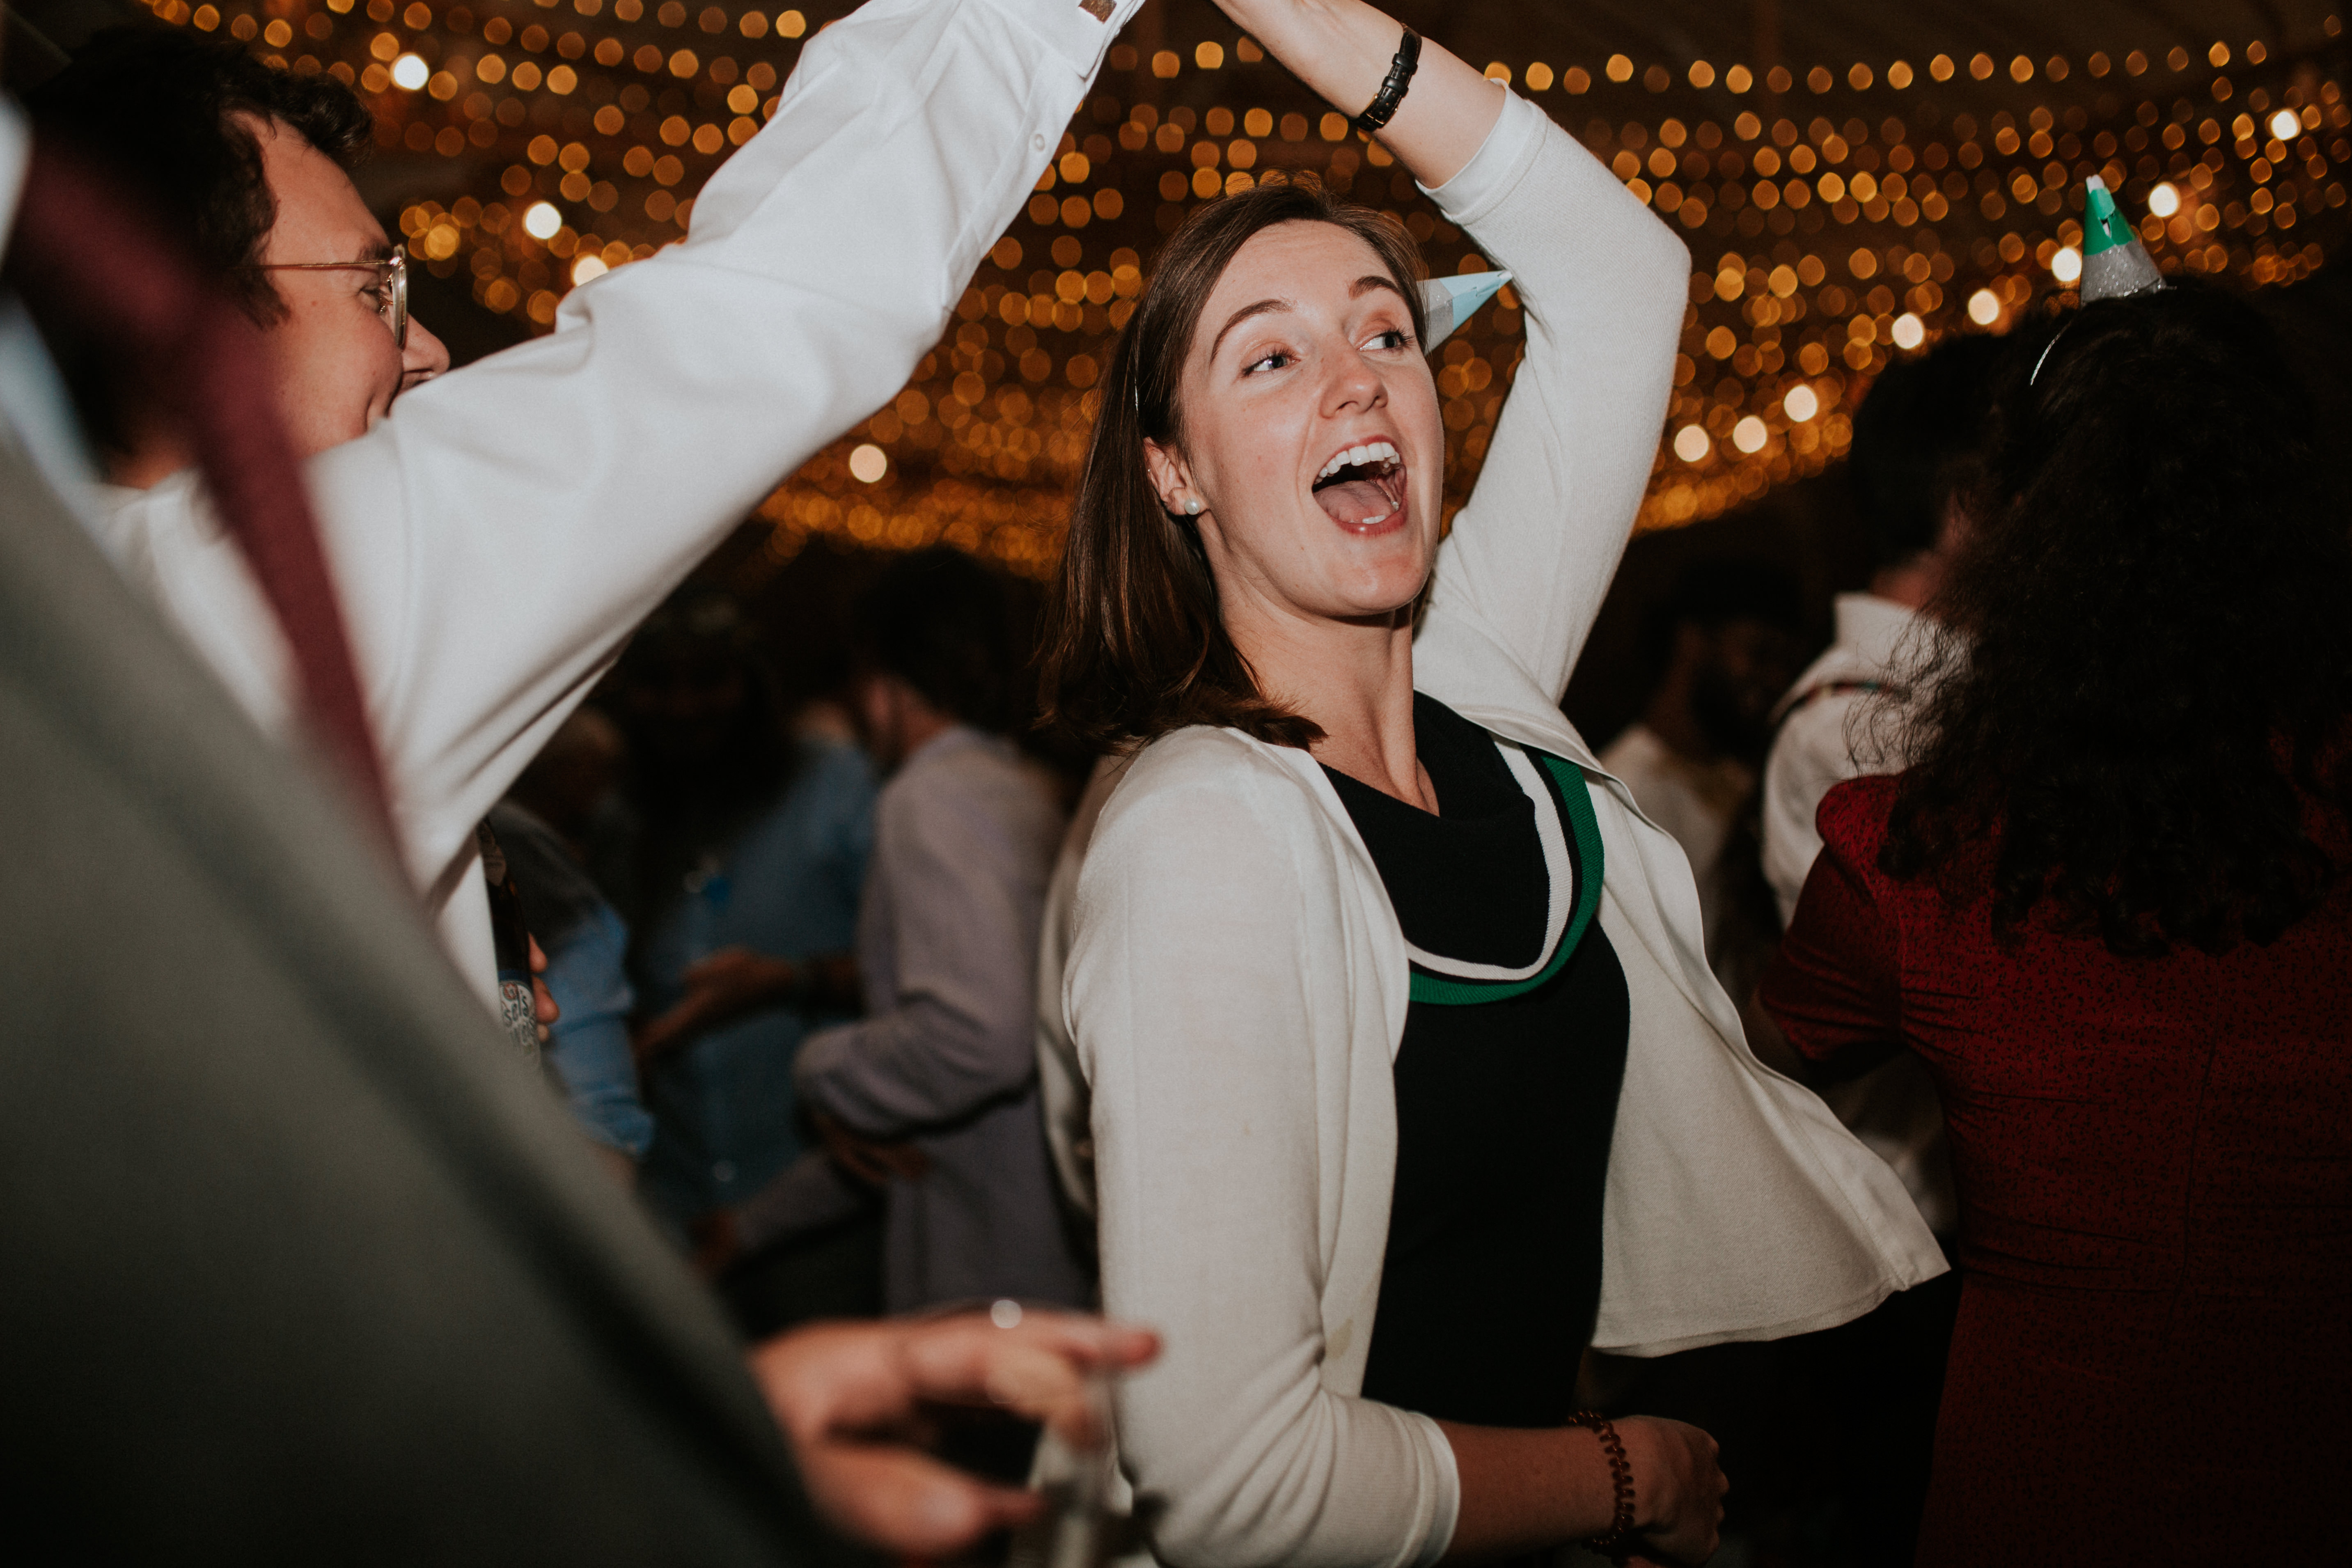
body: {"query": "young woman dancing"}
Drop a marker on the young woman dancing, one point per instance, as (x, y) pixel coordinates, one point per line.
(1409, 1078)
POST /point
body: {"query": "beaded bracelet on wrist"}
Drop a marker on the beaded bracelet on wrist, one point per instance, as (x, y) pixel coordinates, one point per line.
(1617, 1544)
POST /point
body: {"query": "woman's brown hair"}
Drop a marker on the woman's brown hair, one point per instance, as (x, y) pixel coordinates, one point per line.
(1135, 646)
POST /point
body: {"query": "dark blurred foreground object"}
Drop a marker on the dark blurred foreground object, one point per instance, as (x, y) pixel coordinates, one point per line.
(301, 1267)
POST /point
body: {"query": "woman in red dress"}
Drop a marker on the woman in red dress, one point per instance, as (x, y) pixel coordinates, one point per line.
(2109, 908)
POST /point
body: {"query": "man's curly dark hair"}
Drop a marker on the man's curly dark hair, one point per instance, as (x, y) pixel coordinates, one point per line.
(164, 111)
(2141, 734)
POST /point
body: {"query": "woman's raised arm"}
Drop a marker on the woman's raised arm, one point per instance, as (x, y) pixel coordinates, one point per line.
(1601, 282)
(1342, 48)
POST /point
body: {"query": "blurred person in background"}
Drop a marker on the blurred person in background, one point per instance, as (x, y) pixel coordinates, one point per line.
(751, 837)
(1914, 466)
(573, 785)
(587, 946)
(1916, 452)
(932, 1097)
(2109, 905)
(497, 529)
(1721, 643)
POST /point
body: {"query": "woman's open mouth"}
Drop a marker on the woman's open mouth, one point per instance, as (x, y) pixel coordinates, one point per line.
(1362, 487)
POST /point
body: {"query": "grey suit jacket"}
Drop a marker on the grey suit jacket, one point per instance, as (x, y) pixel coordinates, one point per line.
(298, 1263)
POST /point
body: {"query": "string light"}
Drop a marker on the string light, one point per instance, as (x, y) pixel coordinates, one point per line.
(1838, 215)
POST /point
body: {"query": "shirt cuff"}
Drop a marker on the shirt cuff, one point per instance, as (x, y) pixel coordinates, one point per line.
(1449, 1495)
(814, 1059)
(1506, 154)
(1078, 30)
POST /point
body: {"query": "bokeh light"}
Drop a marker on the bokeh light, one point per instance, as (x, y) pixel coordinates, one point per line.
(1839, 216)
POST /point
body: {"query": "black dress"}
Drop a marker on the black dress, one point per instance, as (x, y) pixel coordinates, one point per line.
(1507, 1081)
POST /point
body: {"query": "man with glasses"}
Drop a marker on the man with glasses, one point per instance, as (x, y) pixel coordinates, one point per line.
(249, 165)
(497, 532)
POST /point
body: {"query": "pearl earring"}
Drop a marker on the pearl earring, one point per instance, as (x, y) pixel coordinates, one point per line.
(1193, 507)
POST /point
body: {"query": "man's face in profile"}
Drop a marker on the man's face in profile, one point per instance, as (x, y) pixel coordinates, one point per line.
(338, 367)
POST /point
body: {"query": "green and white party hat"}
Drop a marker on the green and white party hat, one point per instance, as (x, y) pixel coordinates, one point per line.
(1448, 302)
(2115, 263)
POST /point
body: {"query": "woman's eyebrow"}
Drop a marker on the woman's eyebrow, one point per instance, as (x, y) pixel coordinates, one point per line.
(1243, 314)
(1371, 282)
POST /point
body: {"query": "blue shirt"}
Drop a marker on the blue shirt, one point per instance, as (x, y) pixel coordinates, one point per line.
(588, 1048)
(725, 1113)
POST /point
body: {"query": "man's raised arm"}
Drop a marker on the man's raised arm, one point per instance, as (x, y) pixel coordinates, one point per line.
(500, 533)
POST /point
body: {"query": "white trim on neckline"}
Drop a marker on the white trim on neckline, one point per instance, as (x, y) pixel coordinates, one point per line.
(1558, 868)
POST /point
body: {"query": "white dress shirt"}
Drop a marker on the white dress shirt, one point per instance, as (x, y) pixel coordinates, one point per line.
(1831, 731)
(498, 536)
(964, 838)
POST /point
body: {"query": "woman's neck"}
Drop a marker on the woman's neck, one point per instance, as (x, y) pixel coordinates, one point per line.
(1354, 679)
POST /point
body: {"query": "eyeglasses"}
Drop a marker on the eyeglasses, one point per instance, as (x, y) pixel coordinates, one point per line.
(391, 282)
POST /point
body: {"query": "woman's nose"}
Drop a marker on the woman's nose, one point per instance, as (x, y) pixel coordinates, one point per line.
(1355, 382)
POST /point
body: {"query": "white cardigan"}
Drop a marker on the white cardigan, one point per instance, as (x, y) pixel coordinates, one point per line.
(1238, 987)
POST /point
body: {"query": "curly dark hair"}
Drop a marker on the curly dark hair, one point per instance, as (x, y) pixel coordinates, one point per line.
(164, 111)
(2141, 733)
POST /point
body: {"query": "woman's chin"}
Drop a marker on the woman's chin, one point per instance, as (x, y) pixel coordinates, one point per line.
(1381, 593)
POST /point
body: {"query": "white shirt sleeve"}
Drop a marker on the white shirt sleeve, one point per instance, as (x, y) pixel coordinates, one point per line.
(1602, 283)
(498, 536)
(1809, 757)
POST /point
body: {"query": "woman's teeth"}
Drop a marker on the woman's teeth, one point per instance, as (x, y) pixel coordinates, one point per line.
(1357, 456)
(1362, 487)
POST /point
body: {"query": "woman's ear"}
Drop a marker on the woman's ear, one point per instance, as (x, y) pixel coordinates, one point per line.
(1171, 479)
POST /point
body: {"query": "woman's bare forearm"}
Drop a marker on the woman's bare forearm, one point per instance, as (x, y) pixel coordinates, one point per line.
(1528, 1490)
(1342, 49)
(1523, 1491)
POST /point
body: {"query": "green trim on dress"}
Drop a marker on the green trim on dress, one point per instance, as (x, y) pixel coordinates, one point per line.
(1576, 796)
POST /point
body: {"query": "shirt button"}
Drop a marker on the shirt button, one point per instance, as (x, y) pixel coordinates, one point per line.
(1037, 143)
(724, 1171)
